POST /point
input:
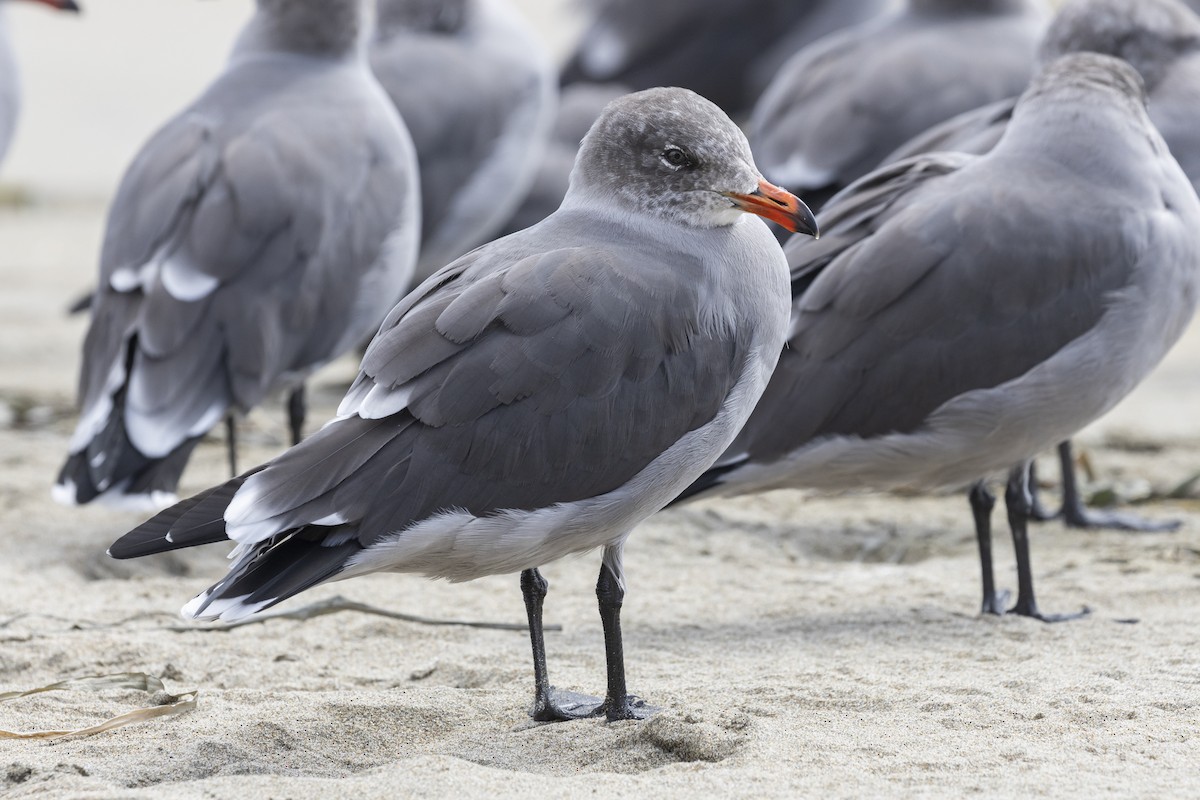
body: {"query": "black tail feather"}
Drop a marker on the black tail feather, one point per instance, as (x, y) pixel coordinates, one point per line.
(194, 521)
(110, 461)
(286, 567)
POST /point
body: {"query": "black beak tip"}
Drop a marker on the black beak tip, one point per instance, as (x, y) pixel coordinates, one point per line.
(807, 223)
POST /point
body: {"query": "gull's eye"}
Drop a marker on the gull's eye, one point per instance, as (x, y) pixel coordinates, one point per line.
(678, 158)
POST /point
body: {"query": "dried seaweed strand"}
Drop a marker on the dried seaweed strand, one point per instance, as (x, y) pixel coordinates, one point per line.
(336, 604)
(167, 705)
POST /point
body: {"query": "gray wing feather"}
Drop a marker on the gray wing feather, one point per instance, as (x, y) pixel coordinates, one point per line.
(852, 98)
(164, 181)
(859, 210)
(866, 365)
(535, 407)
(973, 132)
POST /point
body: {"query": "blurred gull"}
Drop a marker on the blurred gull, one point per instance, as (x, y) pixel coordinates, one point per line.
(259, 234)
(476, 89)
(727, 50)
(538, 397)
(964, 312)
(839, 106)
(579, 106)
(1161, 39)
(10, 89)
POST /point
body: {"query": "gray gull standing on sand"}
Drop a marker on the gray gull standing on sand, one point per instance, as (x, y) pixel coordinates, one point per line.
(476, 89)
(1161, 39)
(538, 397)
(964, 312)
(260, 233)
(839, 106)
(10, 89)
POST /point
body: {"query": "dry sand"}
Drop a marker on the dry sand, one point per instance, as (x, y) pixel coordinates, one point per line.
(798, 646)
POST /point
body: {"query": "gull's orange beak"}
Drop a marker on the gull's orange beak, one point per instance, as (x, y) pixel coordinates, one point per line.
(779, 206)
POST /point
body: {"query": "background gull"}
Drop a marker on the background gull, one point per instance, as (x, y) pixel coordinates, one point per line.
(1161, 39)
(964, 312)
(257, 235)
(727, 50)
(538, 397)
(477, 91)
(840, 105)
(579, 106)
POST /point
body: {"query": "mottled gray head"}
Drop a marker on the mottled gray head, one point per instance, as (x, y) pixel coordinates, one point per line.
(1149, 34)
(424, 16)
(1077, 75)
(309, 27)
(670, 153)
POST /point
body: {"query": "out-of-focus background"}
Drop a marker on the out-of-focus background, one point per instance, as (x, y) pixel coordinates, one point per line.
(94, 87)
(97, 85)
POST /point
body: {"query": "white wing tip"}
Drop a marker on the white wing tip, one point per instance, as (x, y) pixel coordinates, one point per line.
(64, 493)
(145, 502)
(227, 609)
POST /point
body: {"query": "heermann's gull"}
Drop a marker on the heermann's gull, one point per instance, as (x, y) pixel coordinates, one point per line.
(10, 88)
(1161, 39)
(538, 397)
(963, 312)
(579, 106)
(260, 233)
(477, 92)
(727, 50)
(840, 105)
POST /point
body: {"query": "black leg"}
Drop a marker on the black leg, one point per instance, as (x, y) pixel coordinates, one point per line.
(231, 442)
(1077, 515)
(982, 503)
(297, 409)
(549, 704)
(617, 703)
(1037, 511)
(1016, 497)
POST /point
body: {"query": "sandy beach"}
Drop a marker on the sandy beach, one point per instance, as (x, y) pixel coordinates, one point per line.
(797, 645)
